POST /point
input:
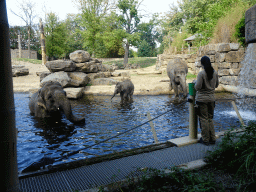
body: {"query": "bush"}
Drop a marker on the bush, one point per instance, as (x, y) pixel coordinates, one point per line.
(240, 31)
(237, 154)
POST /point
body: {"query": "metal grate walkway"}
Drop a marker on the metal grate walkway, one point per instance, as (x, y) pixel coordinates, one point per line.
(104, 173)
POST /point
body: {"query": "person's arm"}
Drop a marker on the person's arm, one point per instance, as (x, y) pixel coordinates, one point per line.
(199, 82)
(217, 82)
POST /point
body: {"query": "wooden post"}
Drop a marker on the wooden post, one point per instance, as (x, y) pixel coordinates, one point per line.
(19, 45)
(42, 42)
(152, 128)
(238, 114)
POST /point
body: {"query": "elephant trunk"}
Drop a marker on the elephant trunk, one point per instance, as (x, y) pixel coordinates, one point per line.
(65, 106)
(184, 85)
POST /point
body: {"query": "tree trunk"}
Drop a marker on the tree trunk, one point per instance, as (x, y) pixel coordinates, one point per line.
(29, 42)
(42, 42)
(126, 54)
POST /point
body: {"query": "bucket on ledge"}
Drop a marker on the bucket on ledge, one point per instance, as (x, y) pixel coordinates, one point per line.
(191, 89)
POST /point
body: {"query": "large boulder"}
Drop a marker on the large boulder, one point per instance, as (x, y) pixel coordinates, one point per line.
(61, 77)
(71, 79)
(79, 56)
(92, 66)
(74, 93)
(104, 81)
(19, 70)
(60, 65)
(78, 79)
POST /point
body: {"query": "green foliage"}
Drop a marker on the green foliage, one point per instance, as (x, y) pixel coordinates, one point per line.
(144, 49)
(240, 31)
(150, 34)
(191, 76)
(23, 31)
(201, 17)
(129, 19)
(141, 61)
(55, 39)
(237, 153)
(176, 180)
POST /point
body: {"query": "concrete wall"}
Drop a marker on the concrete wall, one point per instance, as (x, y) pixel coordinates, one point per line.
(24, 54)
(225, 58)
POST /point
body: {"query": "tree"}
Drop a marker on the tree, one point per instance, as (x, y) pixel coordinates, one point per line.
(148, 32)
(93, 14)
(55, 37)
(27, 15)
(74, 40)
(130, 20)
(22, 31)
(144, 49)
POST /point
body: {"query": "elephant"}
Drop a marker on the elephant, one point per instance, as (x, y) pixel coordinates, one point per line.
(50, 101)
(125, 88)
(177, 70)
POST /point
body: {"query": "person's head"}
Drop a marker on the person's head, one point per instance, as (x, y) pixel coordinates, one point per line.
(206, 63)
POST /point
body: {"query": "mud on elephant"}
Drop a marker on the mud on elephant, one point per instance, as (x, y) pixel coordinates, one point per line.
(50, 101)
(177, 70)
(125, 88)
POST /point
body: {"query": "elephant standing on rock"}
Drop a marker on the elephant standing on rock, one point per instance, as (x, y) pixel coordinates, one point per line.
(125, 88)
(49, 101)
(177, 70)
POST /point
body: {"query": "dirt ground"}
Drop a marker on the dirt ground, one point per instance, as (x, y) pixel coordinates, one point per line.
(147, 81)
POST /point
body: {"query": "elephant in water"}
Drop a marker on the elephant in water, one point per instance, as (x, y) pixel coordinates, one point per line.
(49, 101)
(177, 70)
(125, 88)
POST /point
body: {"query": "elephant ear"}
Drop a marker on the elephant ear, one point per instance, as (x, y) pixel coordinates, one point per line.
(40, 100)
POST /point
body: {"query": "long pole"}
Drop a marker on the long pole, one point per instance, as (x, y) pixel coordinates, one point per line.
(8, 138)
(42, 42)
(192, 113)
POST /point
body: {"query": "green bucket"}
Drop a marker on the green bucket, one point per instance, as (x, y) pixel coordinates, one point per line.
(191, 89)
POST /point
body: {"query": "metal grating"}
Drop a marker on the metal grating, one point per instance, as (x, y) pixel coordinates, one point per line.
(104, 173)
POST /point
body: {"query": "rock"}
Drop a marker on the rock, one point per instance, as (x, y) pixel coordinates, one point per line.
(19, 70)
(93, 66)
(224, 47)
(116, 74)
(104, 81)
(60, 65)
(108, 68)
(235, 56)
(61, 77)
(79, 56)
(78, 79)
(220, 57)
(234, 46)
(74, 93)
(125, 74)
(250, 27)
(42, 75)
(98, 75)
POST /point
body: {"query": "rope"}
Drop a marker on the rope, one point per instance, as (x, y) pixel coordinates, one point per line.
(75, 152)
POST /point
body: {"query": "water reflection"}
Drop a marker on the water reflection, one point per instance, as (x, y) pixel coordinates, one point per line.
(105, 119)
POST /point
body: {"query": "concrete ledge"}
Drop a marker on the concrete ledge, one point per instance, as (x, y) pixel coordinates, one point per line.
(183, 141)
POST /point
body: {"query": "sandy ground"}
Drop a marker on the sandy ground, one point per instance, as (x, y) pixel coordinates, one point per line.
(146, 81)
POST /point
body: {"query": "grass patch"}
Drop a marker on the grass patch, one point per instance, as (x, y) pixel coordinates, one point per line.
(141, 61)
(191, 76)
(34, 61)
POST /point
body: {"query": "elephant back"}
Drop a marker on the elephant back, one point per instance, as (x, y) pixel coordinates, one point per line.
(176, 64)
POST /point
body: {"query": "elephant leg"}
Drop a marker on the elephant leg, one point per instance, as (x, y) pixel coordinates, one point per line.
(170, 86)
(176, 90)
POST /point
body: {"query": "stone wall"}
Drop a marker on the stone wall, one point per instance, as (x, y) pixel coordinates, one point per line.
(225, 58)
(24, 54)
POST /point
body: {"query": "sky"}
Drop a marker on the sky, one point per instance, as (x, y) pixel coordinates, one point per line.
(62, 8)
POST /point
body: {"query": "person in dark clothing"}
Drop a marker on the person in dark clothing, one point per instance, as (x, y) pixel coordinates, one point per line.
(207, 81)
